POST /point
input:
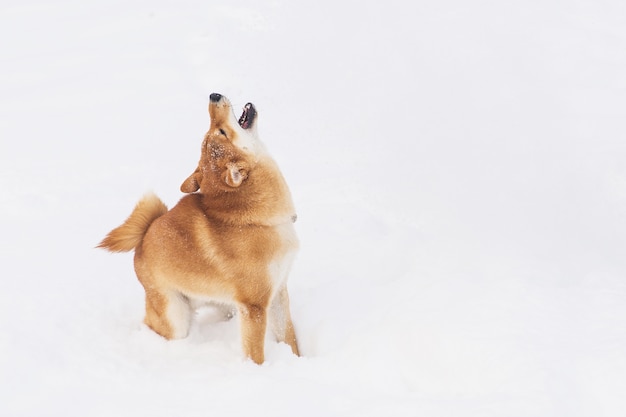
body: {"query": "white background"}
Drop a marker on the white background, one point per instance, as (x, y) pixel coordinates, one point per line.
(458, 170)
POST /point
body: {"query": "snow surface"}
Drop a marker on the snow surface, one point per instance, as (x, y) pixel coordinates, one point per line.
(458, 169)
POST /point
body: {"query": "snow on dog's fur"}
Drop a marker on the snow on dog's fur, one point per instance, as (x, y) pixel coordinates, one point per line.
(231, 240)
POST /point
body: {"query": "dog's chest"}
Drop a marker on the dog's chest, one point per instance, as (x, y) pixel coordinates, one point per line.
(280, 264)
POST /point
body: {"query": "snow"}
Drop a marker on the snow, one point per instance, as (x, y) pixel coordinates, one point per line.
(458, 170)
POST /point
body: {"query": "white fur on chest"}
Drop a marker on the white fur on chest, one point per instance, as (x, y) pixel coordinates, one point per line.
(280, 266)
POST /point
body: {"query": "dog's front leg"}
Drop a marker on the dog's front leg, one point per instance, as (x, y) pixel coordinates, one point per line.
(253, 319)
(280, 320)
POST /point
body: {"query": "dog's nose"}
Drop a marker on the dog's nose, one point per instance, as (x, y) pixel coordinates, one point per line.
(215, 97)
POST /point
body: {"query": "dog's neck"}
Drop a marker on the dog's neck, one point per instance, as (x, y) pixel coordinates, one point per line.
(263, 199)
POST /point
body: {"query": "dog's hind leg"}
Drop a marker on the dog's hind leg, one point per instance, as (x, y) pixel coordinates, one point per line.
(168, 313)
(280, 320)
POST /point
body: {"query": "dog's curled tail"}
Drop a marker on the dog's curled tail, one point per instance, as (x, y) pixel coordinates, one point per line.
(130, 234)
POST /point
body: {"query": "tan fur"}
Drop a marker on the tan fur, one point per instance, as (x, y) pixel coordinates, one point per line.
(231, 242)
(130, 234)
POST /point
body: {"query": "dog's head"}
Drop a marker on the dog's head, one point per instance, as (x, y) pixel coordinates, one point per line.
(237, 178)
(229, 151)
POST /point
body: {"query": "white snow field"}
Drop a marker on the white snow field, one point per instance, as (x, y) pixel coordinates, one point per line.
(459, 169)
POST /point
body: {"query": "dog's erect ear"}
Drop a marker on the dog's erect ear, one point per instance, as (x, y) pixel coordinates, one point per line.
(235, 175)
(192, 183)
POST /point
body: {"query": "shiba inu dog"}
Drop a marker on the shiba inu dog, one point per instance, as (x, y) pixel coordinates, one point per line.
(231, 240)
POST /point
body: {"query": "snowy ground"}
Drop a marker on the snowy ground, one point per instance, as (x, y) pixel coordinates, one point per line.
(458, 169)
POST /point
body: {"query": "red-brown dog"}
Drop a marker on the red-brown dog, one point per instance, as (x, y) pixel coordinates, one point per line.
(232, 242)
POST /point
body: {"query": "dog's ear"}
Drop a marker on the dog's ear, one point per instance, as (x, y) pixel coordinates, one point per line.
(192, 183)
(235, 175)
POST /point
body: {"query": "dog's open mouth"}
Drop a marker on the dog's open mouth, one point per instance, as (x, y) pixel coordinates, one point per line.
(247, 117)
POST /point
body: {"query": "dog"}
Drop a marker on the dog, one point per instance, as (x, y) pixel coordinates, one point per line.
(230, 241)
